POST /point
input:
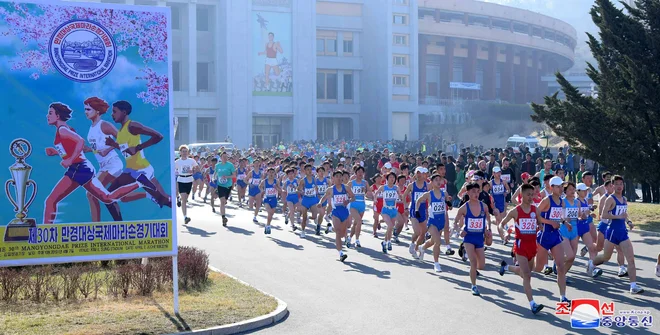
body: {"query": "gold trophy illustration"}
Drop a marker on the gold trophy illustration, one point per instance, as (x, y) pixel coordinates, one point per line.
(18, 229)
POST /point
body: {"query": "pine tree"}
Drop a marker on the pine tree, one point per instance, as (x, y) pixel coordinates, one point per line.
(620, 128)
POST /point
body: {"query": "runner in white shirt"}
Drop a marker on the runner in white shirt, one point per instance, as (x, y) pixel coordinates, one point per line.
(184, 168)
(110, 165)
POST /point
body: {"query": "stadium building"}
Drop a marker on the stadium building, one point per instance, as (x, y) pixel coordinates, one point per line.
(265, 71)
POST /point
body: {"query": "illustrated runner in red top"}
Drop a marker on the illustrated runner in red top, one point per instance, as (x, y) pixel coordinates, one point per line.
(79, 171)
(525, 244)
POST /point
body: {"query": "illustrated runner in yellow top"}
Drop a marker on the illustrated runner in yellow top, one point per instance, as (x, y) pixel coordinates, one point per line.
(131, 146)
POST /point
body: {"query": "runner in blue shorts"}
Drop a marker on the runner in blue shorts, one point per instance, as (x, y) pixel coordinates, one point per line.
(436, 221)
(255, 195)
(551, 214)
(360, 188)
(584, 230)
(340, 196)
(241, 184)
(270, 188)
(198, 182)
(290, 186)
(309, 197)
(499, 189)
(213, 185)
(616, 209)
(390, 214)
(475, 217)
(418, 216)
(321, 187)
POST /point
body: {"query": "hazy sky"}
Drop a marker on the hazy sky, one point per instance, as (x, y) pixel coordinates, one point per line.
(575, 12)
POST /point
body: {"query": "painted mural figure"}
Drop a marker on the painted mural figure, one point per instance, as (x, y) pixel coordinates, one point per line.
(138, 169)
(272, 48)
(79, 171)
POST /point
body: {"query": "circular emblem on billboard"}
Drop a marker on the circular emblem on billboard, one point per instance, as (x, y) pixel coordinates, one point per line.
(83, 51)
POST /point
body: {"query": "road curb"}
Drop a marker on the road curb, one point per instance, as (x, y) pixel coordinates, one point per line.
(261, 321)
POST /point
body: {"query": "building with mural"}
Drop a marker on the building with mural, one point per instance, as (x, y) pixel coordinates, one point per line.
(264, 71)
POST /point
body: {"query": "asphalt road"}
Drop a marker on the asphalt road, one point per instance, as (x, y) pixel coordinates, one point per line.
(373, 293)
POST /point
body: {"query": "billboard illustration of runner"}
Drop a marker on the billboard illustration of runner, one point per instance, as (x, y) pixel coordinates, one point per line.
(88, 132)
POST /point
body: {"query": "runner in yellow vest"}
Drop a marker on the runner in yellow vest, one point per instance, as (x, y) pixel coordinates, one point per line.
(138, 169)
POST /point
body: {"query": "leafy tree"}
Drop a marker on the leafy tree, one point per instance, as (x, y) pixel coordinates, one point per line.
(620, 127)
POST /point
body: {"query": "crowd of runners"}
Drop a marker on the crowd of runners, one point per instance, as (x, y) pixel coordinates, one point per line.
(542, 216)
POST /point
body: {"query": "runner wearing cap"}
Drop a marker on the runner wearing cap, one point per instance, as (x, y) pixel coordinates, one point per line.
(583, 229)
(517, 197)
(551, 214)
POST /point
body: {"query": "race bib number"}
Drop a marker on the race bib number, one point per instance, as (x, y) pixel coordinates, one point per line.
(322, 188)
(621, 209)
(240, 176)
(555, 213)
(498, 189)
(122, 148)
(358, 190)
(527, 226)
(222, 180)
(506, 178)
(310, 192)
(60, 150)
(438, 207)
(271, 192)
(255, 181)
(417, 195)
(339, 199)
(475, 224)
(291, 189)
(584, 209)
(390, 195)
(572, 213)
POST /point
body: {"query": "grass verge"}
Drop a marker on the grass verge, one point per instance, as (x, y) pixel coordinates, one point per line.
(645, 216)
(222, 301)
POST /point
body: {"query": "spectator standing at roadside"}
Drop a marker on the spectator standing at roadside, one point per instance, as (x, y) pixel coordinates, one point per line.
(515, 169)
(570, 165)
(580, 173)
(561, 165)
(491, 164)
(460, 180)
(528, 165)
(450, 175)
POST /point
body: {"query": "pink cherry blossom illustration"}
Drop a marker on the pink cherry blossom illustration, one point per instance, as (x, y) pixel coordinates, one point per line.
(34, 25)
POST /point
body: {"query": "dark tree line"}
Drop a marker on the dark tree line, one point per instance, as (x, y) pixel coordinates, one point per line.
(620, 127)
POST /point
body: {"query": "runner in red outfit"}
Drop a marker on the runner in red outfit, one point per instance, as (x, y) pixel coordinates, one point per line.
(525, 244)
